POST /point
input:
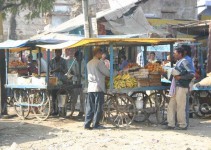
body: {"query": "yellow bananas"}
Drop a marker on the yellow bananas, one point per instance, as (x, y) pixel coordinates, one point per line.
(124, 81)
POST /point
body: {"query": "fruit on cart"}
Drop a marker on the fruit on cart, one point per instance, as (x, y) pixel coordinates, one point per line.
(124, 81)
(17, 63)
(154, 67)
(131, 65)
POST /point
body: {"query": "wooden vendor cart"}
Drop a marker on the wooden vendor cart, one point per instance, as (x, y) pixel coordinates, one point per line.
(121, 105)
(32, 93)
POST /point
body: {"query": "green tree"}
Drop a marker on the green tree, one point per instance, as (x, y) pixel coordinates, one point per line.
(36, 8)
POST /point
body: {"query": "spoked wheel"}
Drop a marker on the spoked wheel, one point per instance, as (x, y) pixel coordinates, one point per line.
(41, 105)
(122, 111)
(72, 100)
(158, 106)
(21, 103)
(198, 98)
(106, 107)
(140, 99)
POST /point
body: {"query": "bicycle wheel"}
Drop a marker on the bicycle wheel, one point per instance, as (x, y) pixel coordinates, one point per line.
(159, 108)
(21, 103)
(122, 111)
(43, 108)
(140, 99)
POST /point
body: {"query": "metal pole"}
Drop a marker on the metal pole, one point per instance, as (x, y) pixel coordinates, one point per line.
(86, 18)
(1, 26)
(48, 61)
(111, 67)
(80, 59)
(3, 95)
(39, 61)
(7, 64)
(92, 18)
(145, 55)
(200, 58)
(171, 53)
(86, 61)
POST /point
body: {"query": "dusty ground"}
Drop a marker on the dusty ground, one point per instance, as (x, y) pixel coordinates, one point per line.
(64, 134)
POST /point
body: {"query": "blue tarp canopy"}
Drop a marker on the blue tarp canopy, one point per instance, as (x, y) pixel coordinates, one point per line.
(13, 44)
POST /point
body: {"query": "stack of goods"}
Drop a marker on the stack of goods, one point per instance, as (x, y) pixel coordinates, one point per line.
(124, 81)
(154, 79)
(155, 71)
(154, 68)
(19, 67)
(17, 64)
(131, 68)
(142, 77)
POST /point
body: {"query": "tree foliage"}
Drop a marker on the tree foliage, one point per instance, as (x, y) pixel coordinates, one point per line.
(35, 7)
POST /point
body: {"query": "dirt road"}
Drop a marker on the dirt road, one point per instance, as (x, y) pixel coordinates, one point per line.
(63, 134)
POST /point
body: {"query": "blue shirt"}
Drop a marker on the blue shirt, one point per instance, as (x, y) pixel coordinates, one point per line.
(123, 65)
(190, 61)
(186, 73)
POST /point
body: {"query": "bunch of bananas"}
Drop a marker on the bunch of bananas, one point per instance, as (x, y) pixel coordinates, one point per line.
(124, 81)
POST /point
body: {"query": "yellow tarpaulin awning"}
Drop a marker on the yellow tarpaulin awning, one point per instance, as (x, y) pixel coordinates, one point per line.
(18, 49)
(115, 41)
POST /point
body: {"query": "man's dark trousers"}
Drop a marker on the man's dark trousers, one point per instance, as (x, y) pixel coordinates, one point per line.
(94, 108)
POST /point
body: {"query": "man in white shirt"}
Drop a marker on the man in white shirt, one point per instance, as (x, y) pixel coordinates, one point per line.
(42, 62)
(76, 73)
(97, 71)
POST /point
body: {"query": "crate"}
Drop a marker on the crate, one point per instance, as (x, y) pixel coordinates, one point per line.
(12, 78)
(53, 81)
(24, 81)
(38, 81)
(155, 83)
(143, 82)
(155, 76)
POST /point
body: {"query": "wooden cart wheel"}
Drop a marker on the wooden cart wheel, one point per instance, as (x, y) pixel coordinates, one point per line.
(106, 107)
(122, 110)
(21, 103)
(42, 99)
(159, 108)
(141, 114)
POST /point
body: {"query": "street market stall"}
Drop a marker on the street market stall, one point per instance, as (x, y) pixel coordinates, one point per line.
(126, 98)
(31, 92)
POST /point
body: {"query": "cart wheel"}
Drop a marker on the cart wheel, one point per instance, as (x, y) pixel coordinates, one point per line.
(71, 102)
(196, 105)
(43, 108)
(107, 103)
(21, 103)
(158, 106)
(122, 110)
(141, 114)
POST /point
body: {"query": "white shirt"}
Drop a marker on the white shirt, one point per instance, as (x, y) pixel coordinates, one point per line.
(44, 67)
(97, 71)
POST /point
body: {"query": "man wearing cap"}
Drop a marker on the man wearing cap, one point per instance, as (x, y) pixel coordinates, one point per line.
(97, 71)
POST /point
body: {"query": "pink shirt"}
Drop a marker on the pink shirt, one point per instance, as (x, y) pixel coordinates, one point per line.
(107, 63)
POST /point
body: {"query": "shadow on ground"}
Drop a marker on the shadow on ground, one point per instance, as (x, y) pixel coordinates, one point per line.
(21, 132)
